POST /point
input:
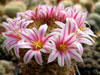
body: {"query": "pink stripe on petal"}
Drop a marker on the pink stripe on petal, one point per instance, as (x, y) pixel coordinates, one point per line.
(24, 36)
(49, 46)
(86, 41)
(67, 59)
(36, 13)
(75, 55)
(25, 46)
(42, 31)
(64, 33)
(69, 28)
(5, 43)
(6, 25)
(32, 34)
(25, 24)
(10, 21)
(61, 60)
(28, 56)
(53, 56)
(16, 50)
(57, 30)
(72, 42)
(11, 35)
(51, 11)
(80, 48)
(38, 57)
(48, 37)
(60, 24)
(70, 38)
(11, 46)
(36, 33)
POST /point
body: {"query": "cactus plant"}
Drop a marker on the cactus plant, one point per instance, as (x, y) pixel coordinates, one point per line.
(95, 17)
(1, 10)
(97, 7)
(93, 25)
(13, 7)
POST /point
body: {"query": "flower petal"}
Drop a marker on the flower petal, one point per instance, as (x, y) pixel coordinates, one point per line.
(80, 48)
(53, 56)
(71, 39)
(86, 41)
(10, 21)
(61, 59)
(75, 55)
(60, 24)
(28, 56)
(25, 24)
(32, 34)
(16, 50)
(6, 25)
(25, 46)
(48, 37)
(38, 57)
(25, 37)
(89, 32)
(67, 59)
(42, 31)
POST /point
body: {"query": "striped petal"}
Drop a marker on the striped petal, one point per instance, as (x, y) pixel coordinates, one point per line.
(75, 55)
(25, 37)
(48, 37)
(25, 24)
(61, 59)
(38, 57)
(24, 45)
(60, 24)
(71, 39)
(28, 56)
(86, 41)
(42, 31)
(32, 34)
(16, 50)
(11, 22)
(67, 59)
(6, 25)
(80, 48)
(53, 56)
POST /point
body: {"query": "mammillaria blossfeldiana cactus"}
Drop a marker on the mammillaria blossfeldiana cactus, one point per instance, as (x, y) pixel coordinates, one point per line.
(49, 30)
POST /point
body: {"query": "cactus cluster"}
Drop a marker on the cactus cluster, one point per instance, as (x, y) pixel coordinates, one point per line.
(13, 7)
(94, 17)
(97, 7)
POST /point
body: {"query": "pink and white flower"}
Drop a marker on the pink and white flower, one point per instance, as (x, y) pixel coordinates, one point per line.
(13, 27)
(37, 43)
(44, 13)
(80, 18)
(73, 28)
(64, 47)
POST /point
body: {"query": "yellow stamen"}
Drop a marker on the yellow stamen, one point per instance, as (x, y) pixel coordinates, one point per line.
(18, 36)
(81, 28)
(37, 45)
(62, 47)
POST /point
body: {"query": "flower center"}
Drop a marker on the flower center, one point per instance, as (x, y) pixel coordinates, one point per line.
(81, 28)
(37, 45)
(61, 48)
(18, 37)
